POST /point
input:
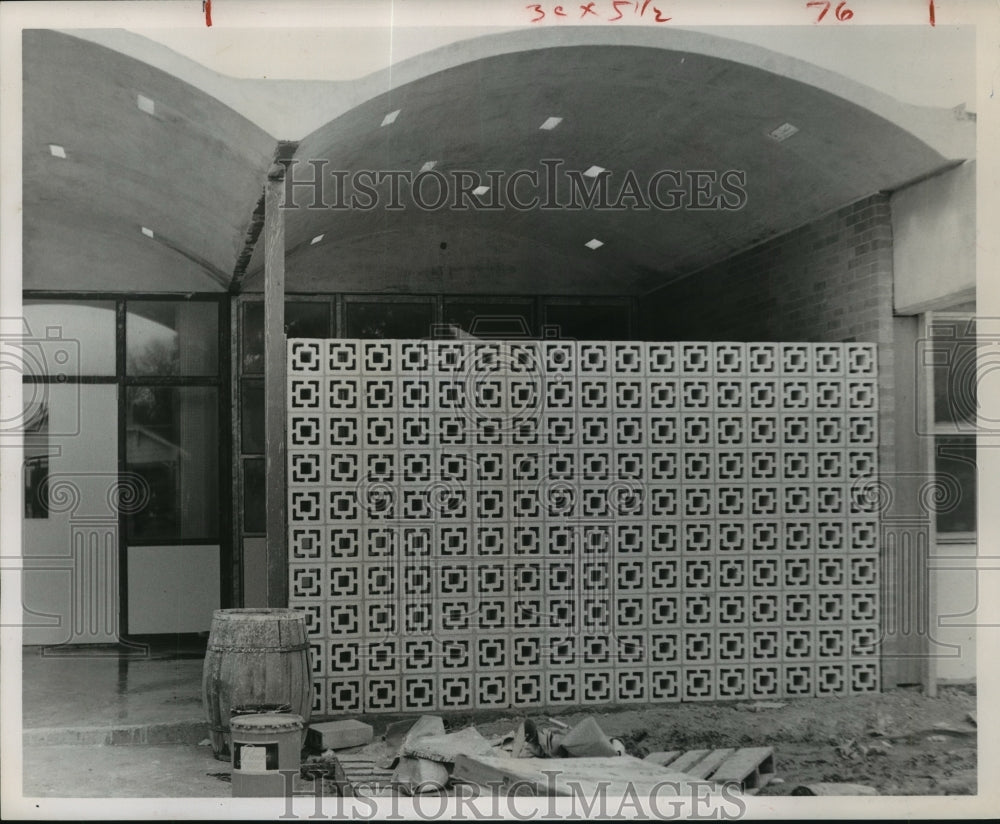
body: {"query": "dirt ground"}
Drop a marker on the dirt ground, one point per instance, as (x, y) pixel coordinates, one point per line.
(899, 742)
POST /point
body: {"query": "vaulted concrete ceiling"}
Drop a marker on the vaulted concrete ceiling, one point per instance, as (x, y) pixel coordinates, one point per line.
(192, 171)
(624, 108)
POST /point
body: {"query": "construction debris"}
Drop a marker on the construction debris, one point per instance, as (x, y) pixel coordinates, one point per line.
(565, 776)
(420, 775)
(544, 755)
(326, 768)
(935, 733)
(446, 748)
(403, 733)
(662, 757)
(363, 772)
(585, 739)
(750, 767)
(338, 735)
(522, 747)
(554, 739)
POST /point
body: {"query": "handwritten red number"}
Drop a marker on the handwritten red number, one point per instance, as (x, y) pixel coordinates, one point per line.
(841, 13)
(586, 9)
(618, 11)
(816, 4)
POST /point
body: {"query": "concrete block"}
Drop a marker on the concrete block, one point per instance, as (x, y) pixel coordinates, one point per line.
(338, 735)
(419, 775)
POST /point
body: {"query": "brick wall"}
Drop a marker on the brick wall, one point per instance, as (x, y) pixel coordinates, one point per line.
(828, 281)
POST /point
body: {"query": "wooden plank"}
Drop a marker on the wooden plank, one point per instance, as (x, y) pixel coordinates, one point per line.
(361, 763)
(275, 360)
(708, 765)
(364, 771)
(663, 758)
(752, 767)
(284, 152)
(619, 775)
(687, 761)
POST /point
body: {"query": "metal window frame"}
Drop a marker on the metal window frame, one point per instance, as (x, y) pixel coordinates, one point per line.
(122, 382)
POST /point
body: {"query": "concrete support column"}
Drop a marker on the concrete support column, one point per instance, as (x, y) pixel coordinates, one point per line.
(274, 389)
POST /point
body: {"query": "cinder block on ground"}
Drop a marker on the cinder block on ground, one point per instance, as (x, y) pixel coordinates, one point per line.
(419, 775)
(338, 735)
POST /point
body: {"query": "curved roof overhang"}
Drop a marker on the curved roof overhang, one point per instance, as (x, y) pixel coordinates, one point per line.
(631, 99)
(189, 171)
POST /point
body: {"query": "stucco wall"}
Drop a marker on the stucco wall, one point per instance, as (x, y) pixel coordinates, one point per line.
(934, 241)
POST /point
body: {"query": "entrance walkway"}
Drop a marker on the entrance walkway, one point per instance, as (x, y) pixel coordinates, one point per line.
(99, 723)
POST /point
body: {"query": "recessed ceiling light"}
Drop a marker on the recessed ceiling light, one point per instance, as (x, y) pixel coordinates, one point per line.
(784, 131)
(145, 104)
(594, 171)
(594, 243)
(390, 118)
(480, 190)
(430, 164)
(550, 123)
(57, 151)
(147, 232)
(316, 240)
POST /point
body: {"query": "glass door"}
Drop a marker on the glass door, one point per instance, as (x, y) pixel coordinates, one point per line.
(171, 440)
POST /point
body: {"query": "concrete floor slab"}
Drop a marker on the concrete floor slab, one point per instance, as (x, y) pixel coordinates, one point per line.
(101, 691)
(157, 771)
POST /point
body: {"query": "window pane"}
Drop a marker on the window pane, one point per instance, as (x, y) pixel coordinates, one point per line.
(252, 416)
(955, 462)
(36, 460)
(953, 355)
(389, 320)
(303, 319)
(71, 338)
(172, 338)
(254, 502)
(171, 440)
(492, 320)
(591, 322)
(253, 337)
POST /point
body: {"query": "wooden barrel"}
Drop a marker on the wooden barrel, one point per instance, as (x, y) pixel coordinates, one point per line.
(255, 657)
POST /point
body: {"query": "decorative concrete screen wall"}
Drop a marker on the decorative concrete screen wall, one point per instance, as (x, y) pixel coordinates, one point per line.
(530, 524)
